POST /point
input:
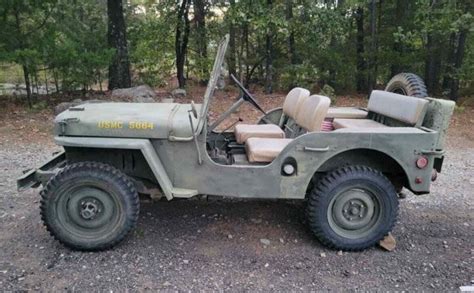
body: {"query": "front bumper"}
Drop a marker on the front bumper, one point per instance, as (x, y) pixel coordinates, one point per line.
(35, 177)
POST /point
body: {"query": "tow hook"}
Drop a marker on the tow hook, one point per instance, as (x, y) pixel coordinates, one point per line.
(434, 175)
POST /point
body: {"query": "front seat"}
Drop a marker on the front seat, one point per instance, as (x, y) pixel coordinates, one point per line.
(291, 107)
(310, 117)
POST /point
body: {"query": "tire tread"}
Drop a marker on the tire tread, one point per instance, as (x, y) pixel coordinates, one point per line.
(92, 167)
(322, 189)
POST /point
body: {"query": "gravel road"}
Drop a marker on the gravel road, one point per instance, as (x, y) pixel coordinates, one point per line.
(240, 245)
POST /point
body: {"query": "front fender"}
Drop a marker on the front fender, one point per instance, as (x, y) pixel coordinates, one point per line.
(144, 145)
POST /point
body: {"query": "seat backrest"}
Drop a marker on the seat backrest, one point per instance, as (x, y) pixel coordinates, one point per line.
(293, 101)
(312, 112)
(410, 110)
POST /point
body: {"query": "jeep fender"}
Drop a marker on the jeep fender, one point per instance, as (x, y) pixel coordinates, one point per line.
(144, 145)
(312, 151)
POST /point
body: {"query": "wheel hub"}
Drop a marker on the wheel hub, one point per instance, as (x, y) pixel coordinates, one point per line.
(353, 211)
(89, 209)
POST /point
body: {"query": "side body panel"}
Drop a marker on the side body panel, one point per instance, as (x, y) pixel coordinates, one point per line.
(176, 166)
(310, 151)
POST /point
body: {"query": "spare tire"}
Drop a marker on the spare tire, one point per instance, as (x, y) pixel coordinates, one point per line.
(408, 84)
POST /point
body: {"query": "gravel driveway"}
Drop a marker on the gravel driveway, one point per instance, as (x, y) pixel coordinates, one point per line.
(240, 245)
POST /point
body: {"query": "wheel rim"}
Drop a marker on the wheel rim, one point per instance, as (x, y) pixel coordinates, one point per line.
(399, 91)
(88, 211)
(354, 212)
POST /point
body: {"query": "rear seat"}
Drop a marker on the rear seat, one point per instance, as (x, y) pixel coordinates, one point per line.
(346, 112)
(310, 117)
(290, 107)
(410, 111)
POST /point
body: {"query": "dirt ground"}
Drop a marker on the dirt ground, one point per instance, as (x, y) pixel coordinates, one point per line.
(217, 244)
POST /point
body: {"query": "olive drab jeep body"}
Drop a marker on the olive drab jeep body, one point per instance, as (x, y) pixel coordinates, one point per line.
(350, 164)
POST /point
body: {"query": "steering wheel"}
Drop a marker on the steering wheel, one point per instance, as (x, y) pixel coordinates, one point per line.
(247, 96)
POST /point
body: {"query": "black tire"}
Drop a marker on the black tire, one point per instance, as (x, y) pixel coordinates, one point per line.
(342, 211)
(89, 206)
(408, 84)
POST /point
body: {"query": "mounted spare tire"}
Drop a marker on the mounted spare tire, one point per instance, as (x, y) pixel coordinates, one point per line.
(408, 84)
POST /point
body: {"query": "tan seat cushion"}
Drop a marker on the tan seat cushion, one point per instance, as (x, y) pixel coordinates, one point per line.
(264, 150)
(291, 106)
(294, 100)
(346, 112)
(245, 131)
(381, 130)
(407, 109)
(356, 123)
(312, 112)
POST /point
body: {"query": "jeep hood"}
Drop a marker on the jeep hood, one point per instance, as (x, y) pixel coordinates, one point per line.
(128, 120)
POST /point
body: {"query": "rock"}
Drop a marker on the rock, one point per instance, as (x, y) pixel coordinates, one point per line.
(299, 265)
(167, 100)
(185, 261)
(388, 243)
(339, 252)
(323, 254)
(143, 100)
(230, 236)
(265, 241)
(61, 107)
(139, 94)
(255, 221)
(178, 93)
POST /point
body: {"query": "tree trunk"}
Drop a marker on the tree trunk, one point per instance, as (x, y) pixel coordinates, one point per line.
(361, 63)
(36, 81)
(373, 47)
(448, 74)
(181, 41)
(269, 55)
(291, 38)
(232, 48)
(200, 23)
(454, 93)
(376, 40)
(433, 53)
(401, 9)
(56, 81)
(26, 75)
(46, 81)
(119, 69)
(247, 54)
(432, 64)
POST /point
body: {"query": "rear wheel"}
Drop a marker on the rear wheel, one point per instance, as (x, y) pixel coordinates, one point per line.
(407, 84)
(352, 208)
(89, 206)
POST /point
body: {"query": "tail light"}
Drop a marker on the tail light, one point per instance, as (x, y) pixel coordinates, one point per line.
(422, 162)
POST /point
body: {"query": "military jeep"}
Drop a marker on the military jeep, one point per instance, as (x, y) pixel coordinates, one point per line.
(349, 164)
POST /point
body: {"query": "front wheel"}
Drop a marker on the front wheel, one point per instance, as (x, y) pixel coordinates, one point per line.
(352, 208)
(89, 206)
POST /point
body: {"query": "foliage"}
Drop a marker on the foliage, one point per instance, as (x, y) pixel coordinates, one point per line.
(294, 42)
